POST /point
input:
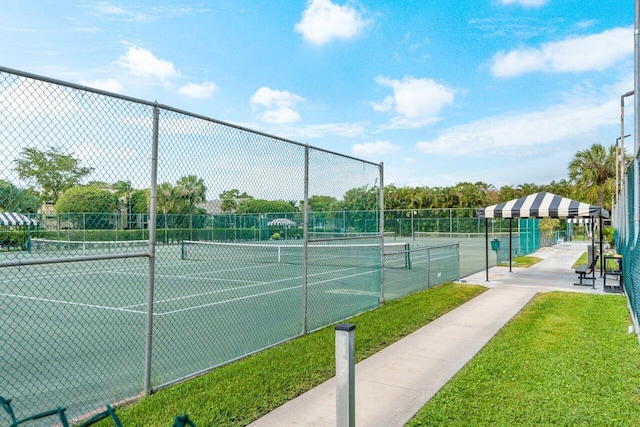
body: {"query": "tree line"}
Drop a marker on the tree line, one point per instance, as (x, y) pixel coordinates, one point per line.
(55, 179)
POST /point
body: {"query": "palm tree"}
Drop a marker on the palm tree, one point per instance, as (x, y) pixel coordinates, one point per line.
(124, 191)
(166, 198)
(592, 171)
(191, 189)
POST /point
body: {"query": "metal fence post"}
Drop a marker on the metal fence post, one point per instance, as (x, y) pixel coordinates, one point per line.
(345, 375)
(305, 243)
(381, 299)
(153, 200)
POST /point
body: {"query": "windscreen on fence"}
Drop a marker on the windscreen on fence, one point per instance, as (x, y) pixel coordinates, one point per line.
(627, 237)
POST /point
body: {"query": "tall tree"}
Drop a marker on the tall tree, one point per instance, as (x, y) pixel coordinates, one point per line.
(231, 198)
(192, 190)
(592, 172)
(14, 199)
(52, 171)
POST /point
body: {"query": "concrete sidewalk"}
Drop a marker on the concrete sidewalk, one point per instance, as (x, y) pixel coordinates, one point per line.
(394, 384)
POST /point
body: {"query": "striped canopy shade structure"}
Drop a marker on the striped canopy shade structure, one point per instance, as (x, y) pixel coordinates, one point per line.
(12, 219)
(540, 205)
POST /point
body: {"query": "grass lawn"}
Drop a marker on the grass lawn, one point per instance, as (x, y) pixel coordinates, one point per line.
(522, 261)
(567, 360)
(241, 392)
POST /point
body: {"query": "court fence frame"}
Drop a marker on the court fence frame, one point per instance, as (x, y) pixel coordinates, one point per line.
(50, 94)
(59, 112)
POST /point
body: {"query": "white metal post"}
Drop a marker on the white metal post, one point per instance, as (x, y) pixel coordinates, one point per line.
(345, 375)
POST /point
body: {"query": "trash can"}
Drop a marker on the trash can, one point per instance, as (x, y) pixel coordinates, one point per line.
(495, 245)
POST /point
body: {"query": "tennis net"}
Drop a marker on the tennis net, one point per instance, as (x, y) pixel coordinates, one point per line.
(78, 247)
(344, 255)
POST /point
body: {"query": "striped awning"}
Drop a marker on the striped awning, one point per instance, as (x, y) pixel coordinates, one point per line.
(12, 218)
(542, 205)
(286, 222)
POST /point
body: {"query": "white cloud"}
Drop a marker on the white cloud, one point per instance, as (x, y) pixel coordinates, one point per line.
(201, 91)
(324, 21)
(109, 85)
(279, 105)
(145, 14)
(141, 62)
(344, 130)
(525, 3)
(520, 134)
(377, 148)
(281, 116)
(416, 101)
(575, 54)
(106, 8)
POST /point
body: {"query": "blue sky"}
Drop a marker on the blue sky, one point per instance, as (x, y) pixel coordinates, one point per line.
(499, 91)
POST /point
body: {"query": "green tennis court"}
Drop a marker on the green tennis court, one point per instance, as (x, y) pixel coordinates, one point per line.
(89, 318)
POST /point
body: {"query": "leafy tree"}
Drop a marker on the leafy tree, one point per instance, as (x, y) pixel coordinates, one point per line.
(527, 189)
(264, 206)
(88, 206)
(231, 198)
(87, 198)
(140, 201)
(14, 199)
(363, 198)
(548, 226)
(53, 171)
(592, 172)
(561, 188)
(322, 203)
(507, 193)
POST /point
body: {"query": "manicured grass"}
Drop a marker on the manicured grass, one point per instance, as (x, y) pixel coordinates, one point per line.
(523, 261)
(581, 260)
(241, 392)
(567, 360)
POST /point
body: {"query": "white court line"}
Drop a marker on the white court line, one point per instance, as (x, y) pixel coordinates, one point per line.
(72, 303)
(255, 284)
(246, 297)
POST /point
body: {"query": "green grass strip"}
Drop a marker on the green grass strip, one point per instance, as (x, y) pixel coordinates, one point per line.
(566, 360)
(522, 261)
(241, 392)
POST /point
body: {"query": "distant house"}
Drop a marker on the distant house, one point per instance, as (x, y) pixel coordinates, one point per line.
(212, 207)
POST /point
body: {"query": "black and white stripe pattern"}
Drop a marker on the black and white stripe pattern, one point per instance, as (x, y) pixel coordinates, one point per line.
(542, 205)
(12, 218)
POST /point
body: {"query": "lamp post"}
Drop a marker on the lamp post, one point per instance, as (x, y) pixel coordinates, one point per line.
(621, 138)
(620, 163)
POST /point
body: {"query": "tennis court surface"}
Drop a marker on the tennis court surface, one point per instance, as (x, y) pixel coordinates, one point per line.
(75, 329)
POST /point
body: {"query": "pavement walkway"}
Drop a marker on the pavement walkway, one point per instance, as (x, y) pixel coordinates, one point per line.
(394, 384)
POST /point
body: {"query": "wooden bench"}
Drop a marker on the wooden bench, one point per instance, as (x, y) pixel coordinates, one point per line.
(584, 269)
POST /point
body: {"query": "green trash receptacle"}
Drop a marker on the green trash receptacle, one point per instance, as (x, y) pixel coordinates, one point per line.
(495, 244)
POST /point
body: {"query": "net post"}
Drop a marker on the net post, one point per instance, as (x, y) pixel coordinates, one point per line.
(428, 268)
(153, 200)
(458, 259)
(407, 256)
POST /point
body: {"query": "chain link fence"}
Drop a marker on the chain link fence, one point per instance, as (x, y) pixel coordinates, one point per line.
(110, 208)
(627, 241)
(141, 245)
